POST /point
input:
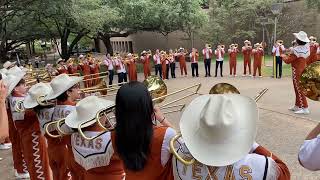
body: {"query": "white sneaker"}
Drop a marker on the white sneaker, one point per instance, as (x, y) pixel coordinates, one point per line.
(21, 175)
(1, 159)
(5, 146)
(303, 111)
(260, 76)
(243, 75)
(235, 75)
(294, 108)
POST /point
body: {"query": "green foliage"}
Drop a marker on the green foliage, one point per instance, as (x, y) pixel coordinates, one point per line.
(314, 4)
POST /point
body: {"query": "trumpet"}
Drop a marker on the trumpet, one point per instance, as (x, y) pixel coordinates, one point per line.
(222, 46)
(236, 46)
(221, 88)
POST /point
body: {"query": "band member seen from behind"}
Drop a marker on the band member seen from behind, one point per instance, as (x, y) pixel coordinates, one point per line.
(219, 52)
(258, 54)
(233, 52)
(121, 69)
(277, 50)
(194, 56)
(145, 59)
(207, 55)
(92, 159)
(219, 132)
(109, 62)
(141, 145)
(33, 144)
(157, 63)
(247, 51)
(172, 61)
(298, 61)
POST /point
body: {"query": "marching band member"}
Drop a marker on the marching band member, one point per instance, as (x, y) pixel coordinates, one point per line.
(219, 52)
(121, 69)
(157, 63)
(246, 51)
(4, 127)
(72, 68)
(145, 59)
(298, 62)
(309, 151)
(207, 54)
(92, 159)
(164, 65)
(257, 59)
(194, 56)
(33, 144)
(277, 50)
(219, 132)
(142, 146)
(132, 67)
(313, 50)
(182, 61)
(8, 65)
(233, 52)
(172, 61)
(65, 89)
(61, 66)
(85, 68)
(94, 69)
(109, 62)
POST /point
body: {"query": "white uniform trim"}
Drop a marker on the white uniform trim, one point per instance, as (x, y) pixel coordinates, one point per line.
(309, 154)
(165, 148)
(92, 154)
(44, 117)
(302, 51)
(16, 116)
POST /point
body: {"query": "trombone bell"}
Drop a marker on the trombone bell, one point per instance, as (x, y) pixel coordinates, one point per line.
(224, 88)
(156, 87)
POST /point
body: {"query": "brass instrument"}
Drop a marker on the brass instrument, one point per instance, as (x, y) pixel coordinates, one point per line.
(280, 42)
(222, 46)
(221, 88)
(310, 81)
(236, 46)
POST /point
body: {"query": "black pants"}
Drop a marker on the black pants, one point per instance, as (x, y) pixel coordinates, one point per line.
(158, 69)
(173, 70)
(122, 77)
(167, 70)
(194, 67)
(207, 66)
(278, 67)
(111, 73)
(219, 63)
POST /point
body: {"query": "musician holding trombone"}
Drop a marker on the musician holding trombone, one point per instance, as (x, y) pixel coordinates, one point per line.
(194, 56)
(4, 129)
(207, 54)
(219, 52)
(277, 50)
(110, 63)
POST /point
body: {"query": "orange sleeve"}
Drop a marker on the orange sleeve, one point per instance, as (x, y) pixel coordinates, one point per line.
(284, 173)
(289, 59)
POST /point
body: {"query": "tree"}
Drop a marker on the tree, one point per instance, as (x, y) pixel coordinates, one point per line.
(315, 4)
(61, 18)
(163, 16)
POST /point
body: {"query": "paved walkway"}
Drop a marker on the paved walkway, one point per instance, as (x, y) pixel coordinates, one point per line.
(278, 129)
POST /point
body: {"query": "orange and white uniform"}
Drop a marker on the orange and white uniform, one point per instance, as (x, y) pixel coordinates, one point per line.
(59, 161)
(85, 68)
(146, 65)
(256, 165)
(298, 61)
(246, 59)
(19, 163)
(62, 69)
(159, 164)
(313, 53)
(33, 144)
(94, 159)
(257, 60)
(72, 69)
(233, 60)
(132, 67)
(95, 69)
(182, 63)
(309, 154)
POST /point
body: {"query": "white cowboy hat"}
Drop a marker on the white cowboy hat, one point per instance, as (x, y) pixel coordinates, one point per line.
(302, 36)
(12, 81)
(4, 76)
(129, 54)
(143, 52)
(61, 84)
(40, 89)
(81, 56)
(3, 71)
(313, 38)
(7, 64)
(86, 110)
(247, 41)
(219, 129)
(16, 70)
(59, 60)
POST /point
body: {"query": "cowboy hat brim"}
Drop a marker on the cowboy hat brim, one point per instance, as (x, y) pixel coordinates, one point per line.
(13, 80)
(77, 117)
(68, 85)
(29, 101)
(306, 39)
(223, 151)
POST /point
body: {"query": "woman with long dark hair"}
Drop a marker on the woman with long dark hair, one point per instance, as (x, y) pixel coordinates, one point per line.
(142, 146)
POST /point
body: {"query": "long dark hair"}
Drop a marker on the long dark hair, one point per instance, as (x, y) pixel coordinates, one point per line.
(134, 129)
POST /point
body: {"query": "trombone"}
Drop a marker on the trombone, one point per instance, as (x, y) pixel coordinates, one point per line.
(310, 81)
(221, 88)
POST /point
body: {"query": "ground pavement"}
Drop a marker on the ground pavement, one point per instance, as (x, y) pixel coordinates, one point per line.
(279, 130)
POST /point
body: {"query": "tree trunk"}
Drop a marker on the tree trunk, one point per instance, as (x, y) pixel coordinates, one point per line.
(107, 42)
(64, 48)
(97, 45)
